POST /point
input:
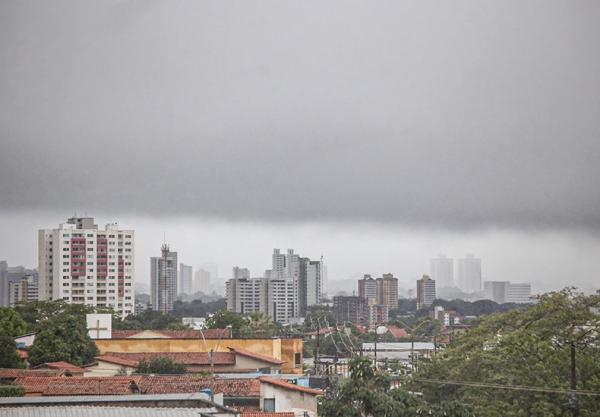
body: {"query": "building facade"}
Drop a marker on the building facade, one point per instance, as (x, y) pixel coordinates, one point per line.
(163, 280)
(441, 270)
(240, 273)
(202, 281)
(367, 289)
(496, 291)
(185, 279)
(387, 291)
(469, 274)
(81, 264)
(425, 292)
(351, 309)
(519, 293)
(246, 295)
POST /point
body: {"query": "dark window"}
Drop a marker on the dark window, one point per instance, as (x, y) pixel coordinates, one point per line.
(297, 360)
(269, 405)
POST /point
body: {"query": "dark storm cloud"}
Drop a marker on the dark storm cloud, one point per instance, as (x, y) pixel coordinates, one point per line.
(460, 114)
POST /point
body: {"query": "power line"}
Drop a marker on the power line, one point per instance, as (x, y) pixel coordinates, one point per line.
(508, 387)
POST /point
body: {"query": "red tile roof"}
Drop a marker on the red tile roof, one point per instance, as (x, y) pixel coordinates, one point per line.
(288, 386)
(397, 332)
(61, 365)
(267, 414)
(177, 334)
(117, 360)
(6, 373)
(150, 384)
(257, 356)
(188, 358)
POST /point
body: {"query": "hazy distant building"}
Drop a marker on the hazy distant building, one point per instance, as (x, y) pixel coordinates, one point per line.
(163, 280)
(496, 291)
(367, 289)
(213, 270)
(469, 274)
(425, 292)
(378, 314)
(351, 309)
(283, 300)
(202, 281)
(246, 295)
(519, 293)
(442, 271)
(278, 265)
(310, 283)
(387, 291)
(239, 273)
(81, 264)
(185, 279)
(17, 285)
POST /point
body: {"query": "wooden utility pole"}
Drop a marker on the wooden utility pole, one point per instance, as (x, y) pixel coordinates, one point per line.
(574, 402)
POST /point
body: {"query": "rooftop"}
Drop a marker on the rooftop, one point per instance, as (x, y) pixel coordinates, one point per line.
(172, 334)
(292, 387)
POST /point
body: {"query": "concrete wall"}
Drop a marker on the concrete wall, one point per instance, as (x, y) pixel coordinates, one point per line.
(288, 400)
(283, 349)
(106, 369)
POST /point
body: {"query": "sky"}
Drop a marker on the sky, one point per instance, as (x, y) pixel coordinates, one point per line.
(376, 134)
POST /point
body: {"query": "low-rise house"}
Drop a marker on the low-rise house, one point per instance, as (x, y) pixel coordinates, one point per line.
(277, 395)
(235, 361)
(68, 368)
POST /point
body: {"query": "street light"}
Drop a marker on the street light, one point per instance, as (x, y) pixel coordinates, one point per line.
(378, 330)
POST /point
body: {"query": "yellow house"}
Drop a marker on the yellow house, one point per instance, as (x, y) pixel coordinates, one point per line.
(287, 350)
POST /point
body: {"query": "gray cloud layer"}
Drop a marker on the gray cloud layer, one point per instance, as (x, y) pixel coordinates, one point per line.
(459, 114)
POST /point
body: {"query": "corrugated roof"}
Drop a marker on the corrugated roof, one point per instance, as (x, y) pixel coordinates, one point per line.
(84, 411)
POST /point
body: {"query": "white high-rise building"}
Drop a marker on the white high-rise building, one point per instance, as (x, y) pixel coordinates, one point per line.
(202, 281)
(163, 280)
(278, 265)
(442, 271)
(519, 293)
(425, 292)
(496, 291)
(239, 273)
(469, 274)
(81, 264)
(185, 279)
(246, 296)
(283, 300)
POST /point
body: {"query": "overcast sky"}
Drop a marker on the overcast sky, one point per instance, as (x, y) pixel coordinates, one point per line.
(375, 133)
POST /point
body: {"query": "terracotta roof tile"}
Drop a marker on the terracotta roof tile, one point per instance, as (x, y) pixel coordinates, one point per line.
(61, 365)
(188, 358)
(177, 334)
(150, 384)
(257, 356)
(288, 386)
(397, 332)
(14, 373)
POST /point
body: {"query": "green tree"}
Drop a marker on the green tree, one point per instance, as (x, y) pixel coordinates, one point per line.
(160, 365)
(9, 357)
(36, 314)
(367, 393)
(64, 337)
(148, 320)
(11, 322)
(552, 345)
(224, 318)
(258, 325)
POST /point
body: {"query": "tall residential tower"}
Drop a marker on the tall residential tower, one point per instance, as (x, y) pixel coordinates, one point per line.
(81, 264)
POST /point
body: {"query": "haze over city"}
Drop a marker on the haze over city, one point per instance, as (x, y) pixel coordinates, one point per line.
(376, 136)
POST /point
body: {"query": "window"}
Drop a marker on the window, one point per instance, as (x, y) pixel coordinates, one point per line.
(297, 360)
(269, 405)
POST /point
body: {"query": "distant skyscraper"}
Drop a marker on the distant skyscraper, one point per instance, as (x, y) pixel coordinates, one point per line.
(425, 292)
(387, 291)
(278, 265)
(442, 271)
(163, 280)
(519, 293)
(185, 279)
(213, 270)
(469, 274)
(202, 281)
(496, 291)
(351, 309)
(367, 289)
(17, 285)
(81, 264)
(310, 283)
(246, 296)
(239, 273)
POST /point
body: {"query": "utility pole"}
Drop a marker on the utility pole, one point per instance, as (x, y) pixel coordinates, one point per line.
(317, 347)
(574, 402)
